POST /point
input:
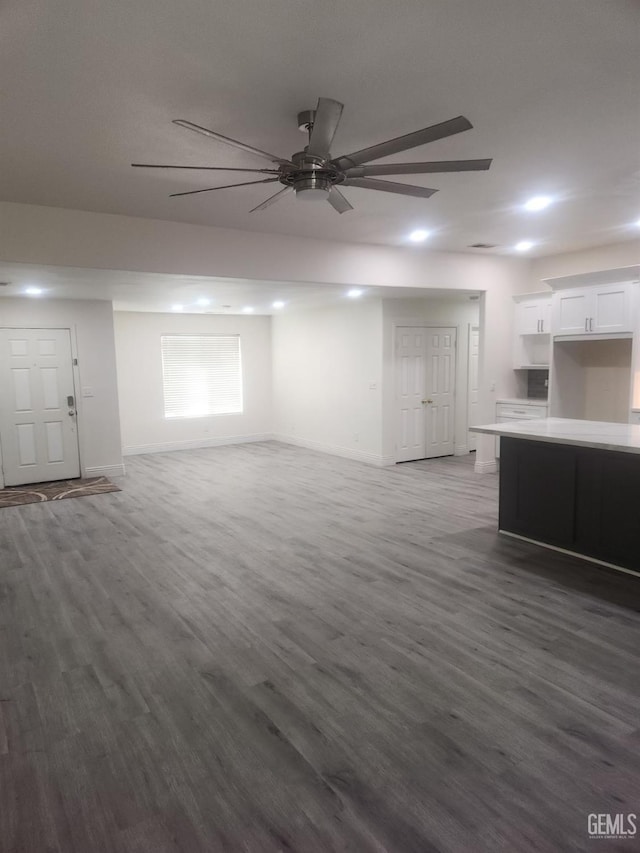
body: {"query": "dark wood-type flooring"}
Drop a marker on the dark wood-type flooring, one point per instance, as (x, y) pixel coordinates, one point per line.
(261, 648)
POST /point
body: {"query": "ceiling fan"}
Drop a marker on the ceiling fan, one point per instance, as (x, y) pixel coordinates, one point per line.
(314, 175)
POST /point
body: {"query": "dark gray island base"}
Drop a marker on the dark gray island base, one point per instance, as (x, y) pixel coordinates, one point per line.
(581, 499)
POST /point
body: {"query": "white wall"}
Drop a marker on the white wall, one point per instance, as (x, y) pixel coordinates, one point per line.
(437, 312)
(45, 235)
(612, 257)
(324, 363)
(91, 325)
(144, 427)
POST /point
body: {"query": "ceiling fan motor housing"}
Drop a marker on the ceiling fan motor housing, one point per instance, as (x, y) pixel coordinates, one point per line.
(312, 177)
(312, 187)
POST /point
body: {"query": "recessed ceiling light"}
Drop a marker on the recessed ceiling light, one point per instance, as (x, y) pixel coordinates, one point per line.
(34, 291)
(203, 302)
(418, 236)
(278, 304)
(248, 309)
(354, 293)
(177, 307)
(638, 224)
(523, 246)
(538, 202)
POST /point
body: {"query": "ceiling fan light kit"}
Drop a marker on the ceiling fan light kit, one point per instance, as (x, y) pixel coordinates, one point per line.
(314, 176)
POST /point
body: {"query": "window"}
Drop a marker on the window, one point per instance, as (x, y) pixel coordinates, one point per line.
(201, 375)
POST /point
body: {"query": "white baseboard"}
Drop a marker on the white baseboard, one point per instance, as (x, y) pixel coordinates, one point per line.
(386, 460)
(462, 450)
(486, 467)
(104, 471)
(193, 444)
(337, 450)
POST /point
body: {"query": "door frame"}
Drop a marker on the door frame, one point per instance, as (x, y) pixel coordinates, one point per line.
(421, 324)
(471, 437)
(76, 385)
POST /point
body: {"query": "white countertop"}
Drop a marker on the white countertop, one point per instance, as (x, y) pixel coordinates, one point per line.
(606, 436)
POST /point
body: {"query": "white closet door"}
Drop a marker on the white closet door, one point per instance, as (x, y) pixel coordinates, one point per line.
(424, 376)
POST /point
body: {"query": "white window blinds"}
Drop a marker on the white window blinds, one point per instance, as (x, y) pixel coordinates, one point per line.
(202, 375)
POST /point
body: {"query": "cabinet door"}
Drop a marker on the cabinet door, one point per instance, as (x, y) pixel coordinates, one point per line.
(544, 311)
(571, 312)
(528, 318)
(533, 318)
(611, 309)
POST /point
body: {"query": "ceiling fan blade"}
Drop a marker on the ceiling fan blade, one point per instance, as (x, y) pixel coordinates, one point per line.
(403, 143)
(338, 201)
(227, 187)
(272, 199)
(325, 124)
(208, 168)
(419, 168)
(226, 139)
(389, 187)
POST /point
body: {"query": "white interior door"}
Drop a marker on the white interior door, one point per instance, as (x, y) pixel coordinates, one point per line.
(425, 370)
(474, 383)
(38, 430)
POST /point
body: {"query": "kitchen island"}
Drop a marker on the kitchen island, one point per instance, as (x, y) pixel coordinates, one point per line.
(572, 485)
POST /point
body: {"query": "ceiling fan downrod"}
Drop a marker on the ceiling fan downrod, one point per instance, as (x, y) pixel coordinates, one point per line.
(305, 121)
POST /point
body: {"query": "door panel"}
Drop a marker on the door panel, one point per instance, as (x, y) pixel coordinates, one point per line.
(612, 310)
(528, 318)
(425, 370)
(440, 344)
(474, 383)
(38, 432)
(410, 359)
(573, 311)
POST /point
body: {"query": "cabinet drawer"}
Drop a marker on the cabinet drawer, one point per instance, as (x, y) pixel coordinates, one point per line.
(524, 410)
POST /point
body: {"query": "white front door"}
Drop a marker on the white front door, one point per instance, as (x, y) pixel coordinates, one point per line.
(38, 430)
(424, 368)
(474, 383)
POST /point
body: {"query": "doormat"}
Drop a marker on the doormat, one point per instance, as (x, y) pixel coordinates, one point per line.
(56, 491)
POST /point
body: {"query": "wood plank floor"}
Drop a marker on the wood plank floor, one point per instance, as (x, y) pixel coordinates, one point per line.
(261, 648)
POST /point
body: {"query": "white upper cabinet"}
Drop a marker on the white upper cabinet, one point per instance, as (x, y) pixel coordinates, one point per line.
(611, 310)
(571, 312)
(532, 327)
(594, 310)
(533, 316)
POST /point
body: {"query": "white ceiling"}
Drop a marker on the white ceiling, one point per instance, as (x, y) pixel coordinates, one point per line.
(551, 87)
(135, 291)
